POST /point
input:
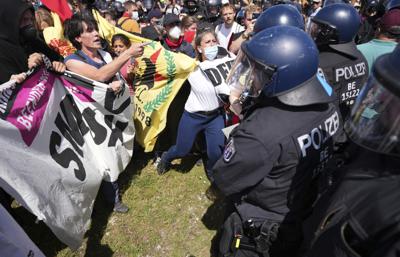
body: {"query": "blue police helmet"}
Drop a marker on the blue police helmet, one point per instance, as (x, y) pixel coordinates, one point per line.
(240, 15)
(392, 4)
(289, 58)
(282, 14)
(337, 24)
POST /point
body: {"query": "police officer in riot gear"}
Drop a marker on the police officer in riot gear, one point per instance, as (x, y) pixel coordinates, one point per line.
(282, 144)
(359, 215)
(276, 15)
(212, 12)
(193, 8)
(333, 29)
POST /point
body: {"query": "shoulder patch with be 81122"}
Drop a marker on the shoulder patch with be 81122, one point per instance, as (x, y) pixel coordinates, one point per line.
(229, 151)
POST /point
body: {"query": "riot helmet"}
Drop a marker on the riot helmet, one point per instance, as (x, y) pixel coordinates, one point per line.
(373, 9)
(102, 6)
(375, 118)
(212, 8)
(335, 24)
(191, 6)
(392, 4)
(281, 62)
(240, 16)
(279, 15)
(118, 8)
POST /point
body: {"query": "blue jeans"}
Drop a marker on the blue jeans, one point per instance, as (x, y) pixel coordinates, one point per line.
(189, 126)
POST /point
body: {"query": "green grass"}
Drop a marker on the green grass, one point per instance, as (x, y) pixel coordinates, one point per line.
(169, 216)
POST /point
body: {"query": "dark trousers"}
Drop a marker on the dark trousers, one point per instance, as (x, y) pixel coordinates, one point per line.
(110, 191)
(189, 126)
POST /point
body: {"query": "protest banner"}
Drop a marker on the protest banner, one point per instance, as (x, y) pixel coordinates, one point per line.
(60, 137)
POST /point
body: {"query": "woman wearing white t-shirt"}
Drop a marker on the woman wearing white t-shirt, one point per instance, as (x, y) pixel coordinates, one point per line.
(203, 111)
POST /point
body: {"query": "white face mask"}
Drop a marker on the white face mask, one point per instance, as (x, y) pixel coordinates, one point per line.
(211, 52)
(135, 15)
(175, 32)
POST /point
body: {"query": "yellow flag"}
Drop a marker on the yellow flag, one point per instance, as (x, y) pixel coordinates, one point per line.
(159, 74)
(107, 30)
(158, 78)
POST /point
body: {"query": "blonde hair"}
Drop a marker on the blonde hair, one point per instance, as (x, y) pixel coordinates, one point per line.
(227, 6)
(187, 21)
(250, 9)
(43, 15)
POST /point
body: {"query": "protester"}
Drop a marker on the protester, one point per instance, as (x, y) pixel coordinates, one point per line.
(225, 30)
(388, 35)
(315, 8)
(154, 31)
(94, 63)
(203, 108)
(128, 21)
(120, 43)
(173, 8)
(174, 40)
(251, 13)
(43, 18)
(19, 39)
(189, 25)
(16, 18)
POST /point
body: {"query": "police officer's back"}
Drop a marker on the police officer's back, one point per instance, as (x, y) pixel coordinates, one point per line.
(334, 28)
(360, 214)
(280, 146)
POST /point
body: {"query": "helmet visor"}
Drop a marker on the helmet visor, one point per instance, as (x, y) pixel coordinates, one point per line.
(375, 119)
(249, 77)
(313, 30)
(321, 33)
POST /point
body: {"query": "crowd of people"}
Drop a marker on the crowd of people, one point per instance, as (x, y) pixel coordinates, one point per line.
(310, 90)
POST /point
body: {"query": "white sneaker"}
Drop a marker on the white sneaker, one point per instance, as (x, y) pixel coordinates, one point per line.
(157, 161)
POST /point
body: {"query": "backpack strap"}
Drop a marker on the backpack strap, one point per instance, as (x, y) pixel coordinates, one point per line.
(119, 25)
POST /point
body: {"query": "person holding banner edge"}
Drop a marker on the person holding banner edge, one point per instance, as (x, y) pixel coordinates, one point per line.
(19, 41)
(90, 61)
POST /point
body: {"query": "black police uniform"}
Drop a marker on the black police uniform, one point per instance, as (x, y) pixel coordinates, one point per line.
(359, 215)
(270, 162)
(346, 70)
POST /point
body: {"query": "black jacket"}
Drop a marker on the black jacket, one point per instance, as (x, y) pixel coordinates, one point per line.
(359, 215)
(13, 59)
(184, 48)
(272, 158)
(346, 70)
(14, 53)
